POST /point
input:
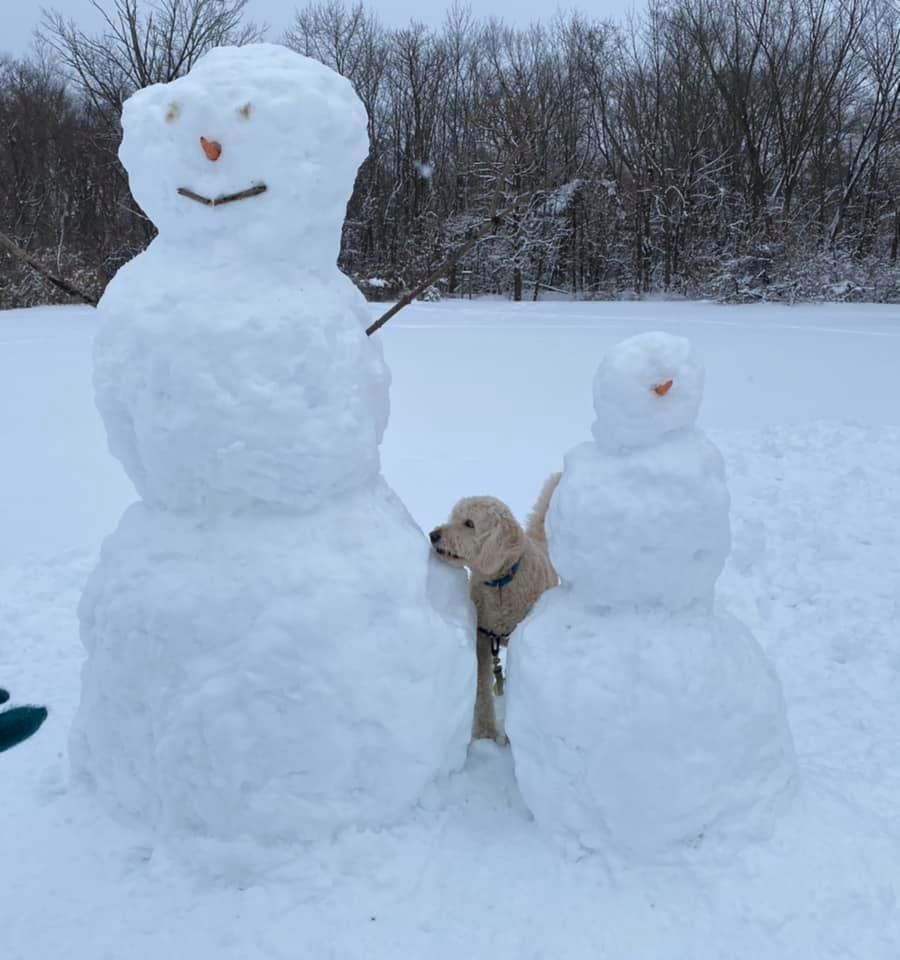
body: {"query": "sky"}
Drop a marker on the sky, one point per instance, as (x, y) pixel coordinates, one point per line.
(20, 17)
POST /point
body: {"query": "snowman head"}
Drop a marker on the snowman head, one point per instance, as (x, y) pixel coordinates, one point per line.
(256, 148)
(645, 388)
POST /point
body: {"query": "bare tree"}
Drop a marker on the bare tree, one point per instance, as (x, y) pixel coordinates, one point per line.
(738, 148)
(874, 114)
(142, 43)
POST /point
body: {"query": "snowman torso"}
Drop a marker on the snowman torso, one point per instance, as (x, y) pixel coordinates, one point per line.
(223, 389)
(646, 528)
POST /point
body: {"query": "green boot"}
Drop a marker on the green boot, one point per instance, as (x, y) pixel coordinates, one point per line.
(19, 723)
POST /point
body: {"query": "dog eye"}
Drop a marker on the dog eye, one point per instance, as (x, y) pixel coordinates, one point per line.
(469, 524)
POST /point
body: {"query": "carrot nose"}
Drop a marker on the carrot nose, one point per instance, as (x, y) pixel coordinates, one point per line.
(212, 149)
(663, 388)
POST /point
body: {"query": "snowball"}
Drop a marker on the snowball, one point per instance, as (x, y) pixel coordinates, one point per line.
(646, 388)
(220, 390)
(647, 526)
(232, 365)
(641, 733)
(270, 676)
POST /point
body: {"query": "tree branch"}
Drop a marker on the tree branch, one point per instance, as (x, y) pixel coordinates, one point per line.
(494, 219)
(67, 288)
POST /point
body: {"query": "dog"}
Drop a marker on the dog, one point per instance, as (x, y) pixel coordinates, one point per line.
(509, 569)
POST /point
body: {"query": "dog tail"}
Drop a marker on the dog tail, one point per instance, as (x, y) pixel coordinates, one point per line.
(535, 526)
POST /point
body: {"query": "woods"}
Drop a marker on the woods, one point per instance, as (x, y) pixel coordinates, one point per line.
(741, 150)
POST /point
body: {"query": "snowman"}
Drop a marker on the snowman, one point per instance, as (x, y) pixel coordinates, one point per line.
(642, 720)
(272, 651)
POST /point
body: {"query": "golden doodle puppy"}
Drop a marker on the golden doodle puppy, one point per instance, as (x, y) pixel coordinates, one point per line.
(509, 569)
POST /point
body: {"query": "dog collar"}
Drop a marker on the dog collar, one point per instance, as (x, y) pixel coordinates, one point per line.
(503, 581)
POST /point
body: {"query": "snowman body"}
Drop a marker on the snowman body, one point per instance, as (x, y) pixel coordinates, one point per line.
(272, 395)
(272, 652)
(642, 720)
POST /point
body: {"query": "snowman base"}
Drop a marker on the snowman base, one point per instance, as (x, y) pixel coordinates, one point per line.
(271, 676)
(646, 734)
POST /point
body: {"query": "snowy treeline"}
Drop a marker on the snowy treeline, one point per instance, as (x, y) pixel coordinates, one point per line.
(736, 148)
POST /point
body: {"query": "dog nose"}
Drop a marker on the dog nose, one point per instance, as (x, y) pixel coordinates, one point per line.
(434, 536)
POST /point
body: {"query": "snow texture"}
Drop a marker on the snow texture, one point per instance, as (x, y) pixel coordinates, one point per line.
(640, 720)
(272, 655)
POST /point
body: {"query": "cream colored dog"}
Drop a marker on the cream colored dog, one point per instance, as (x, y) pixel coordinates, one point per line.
(510, 568)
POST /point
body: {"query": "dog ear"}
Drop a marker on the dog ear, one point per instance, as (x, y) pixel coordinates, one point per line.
(502, 547)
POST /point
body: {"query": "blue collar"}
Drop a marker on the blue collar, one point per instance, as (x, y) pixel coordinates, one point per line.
(503, 581)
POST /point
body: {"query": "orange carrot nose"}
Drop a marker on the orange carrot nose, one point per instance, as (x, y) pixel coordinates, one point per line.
(662, 389)
(212, 149)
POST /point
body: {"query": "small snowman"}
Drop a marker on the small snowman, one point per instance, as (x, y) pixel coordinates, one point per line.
(642, 720)
(272, 651)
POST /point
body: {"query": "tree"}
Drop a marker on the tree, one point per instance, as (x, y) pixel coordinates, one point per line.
(142, 43)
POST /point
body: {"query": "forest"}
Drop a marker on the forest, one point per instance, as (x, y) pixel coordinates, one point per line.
(743, 150)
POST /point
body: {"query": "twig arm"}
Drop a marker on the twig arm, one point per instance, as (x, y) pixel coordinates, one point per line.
(494, 219)
(437, 274)
(68, 288)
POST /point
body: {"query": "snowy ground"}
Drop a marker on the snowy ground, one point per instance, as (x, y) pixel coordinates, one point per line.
(486, 398)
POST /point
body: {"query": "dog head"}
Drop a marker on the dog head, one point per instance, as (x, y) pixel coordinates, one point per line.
(482, 534)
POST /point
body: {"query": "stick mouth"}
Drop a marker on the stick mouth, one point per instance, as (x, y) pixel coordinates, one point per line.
(225, 198)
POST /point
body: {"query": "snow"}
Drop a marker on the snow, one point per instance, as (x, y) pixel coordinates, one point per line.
(281, 120)
(646, 388)
(215, 651)
(647, 528)
(641, 515)
(257, 668)
(233, 369)
(648, 734)
(485, 399)
(560, 200)
(640, 720)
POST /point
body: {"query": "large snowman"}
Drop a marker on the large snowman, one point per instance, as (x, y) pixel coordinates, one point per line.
(272, 651)
(642, 720)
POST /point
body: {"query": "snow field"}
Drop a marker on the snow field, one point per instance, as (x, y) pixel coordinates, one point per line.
(813, 571)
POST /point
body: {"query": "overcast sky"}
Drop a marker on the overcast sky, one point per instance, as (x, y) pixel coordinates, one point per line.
(20, 17)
